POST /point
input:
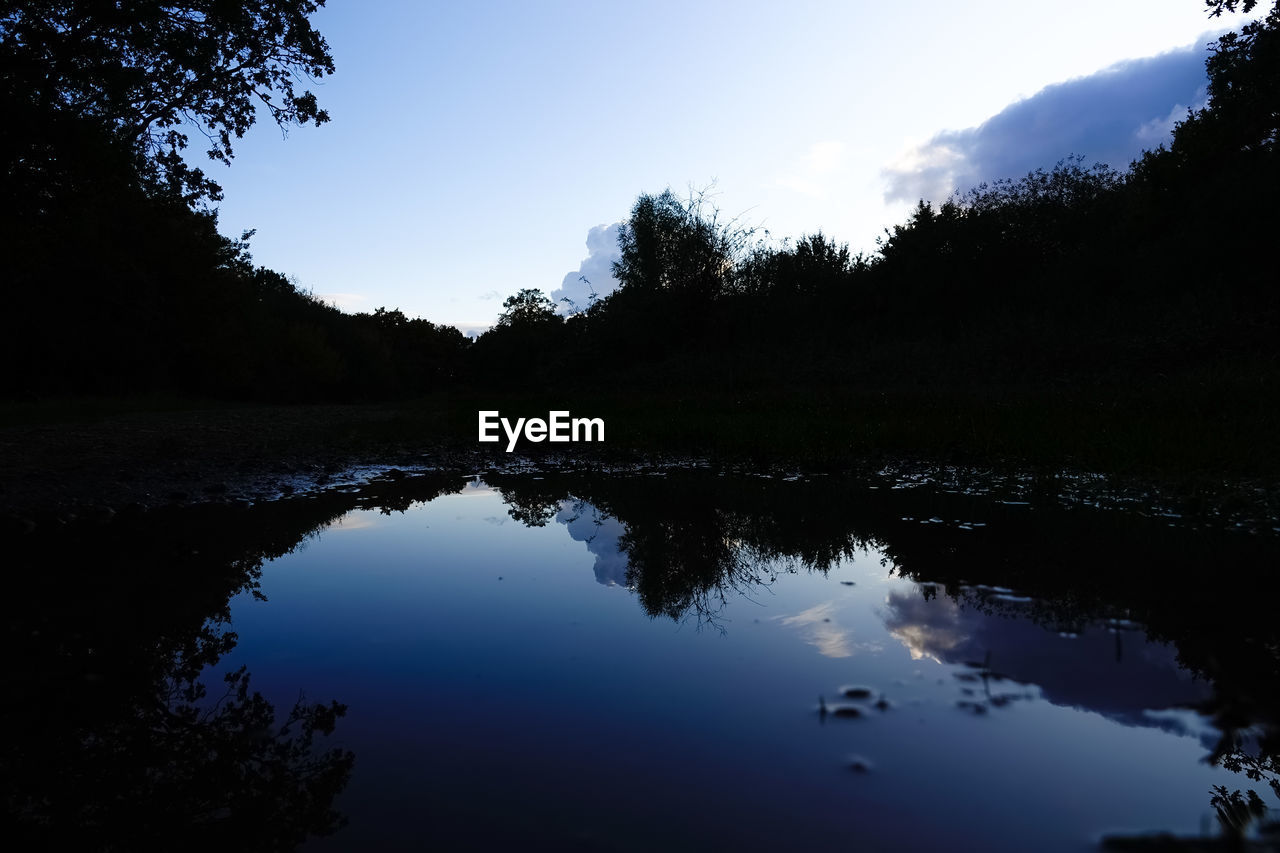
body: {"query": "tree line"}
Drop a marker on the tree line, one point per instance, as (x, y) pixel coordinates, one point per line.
(119, 280)
(1079, 272)
(116, 277)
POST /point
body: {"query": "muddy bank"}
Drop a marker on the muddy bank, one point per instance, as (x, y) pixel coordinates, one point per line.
(155, 458)
(57, 465)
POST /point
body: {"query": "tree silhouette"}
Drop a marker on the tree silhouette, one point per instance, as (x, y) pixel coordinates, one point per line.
(529, 307)
(681, 247)
(140, 71)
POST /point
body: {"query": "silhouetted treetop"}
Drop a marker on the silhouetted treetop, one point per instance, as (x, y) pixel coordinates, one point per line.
(812, 264)
(143, 69)
(1217, 7)
(528, 307)
(1244, 85)
(679, 246)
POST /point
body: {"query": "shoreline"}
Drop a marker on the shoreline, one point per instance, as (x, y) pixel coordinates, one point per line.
(60, 463)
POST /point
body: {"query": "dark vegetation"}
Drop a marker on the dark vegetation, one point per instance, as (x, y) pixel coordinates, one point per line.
(1078, 313)
(1080, 281)
(117, 280)
(129, 741)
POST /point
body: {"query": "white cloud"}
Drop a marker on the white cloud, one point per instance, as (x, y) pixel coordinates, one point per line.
(1160, 130)
(472, 330)
(601, 534)
(594, 274)
(820, 631)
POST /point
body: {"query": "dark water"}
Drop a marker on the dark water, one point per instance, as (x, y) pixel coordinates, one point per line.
(672, 660)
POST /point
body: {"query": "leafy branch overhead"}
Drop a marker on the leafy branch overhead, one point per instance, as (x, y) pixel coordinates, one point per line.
(144, 71)
(1217, 7)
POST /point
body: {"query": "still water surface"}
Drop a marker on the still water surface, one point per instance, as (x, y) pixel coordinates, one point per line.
(693, 660)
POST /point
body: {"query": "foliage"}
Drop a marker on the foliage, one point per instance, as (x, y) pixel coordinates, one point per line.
(124, 284)
(1236, 811)
(123, 747)
(1238, 128)
(1217, 7)
(525, 346)
(527, 308)
(679, 247)
(1244, 85)
(1068, 279)
(140, 71)
(813, 264)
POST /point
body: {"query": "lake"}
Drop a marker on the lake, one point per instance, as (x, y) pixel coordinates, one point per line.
(660, 658)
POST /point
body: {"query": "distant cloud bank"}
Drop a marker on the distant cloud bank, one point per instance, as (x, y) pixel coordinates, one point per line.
(596, 268)
(471, 330)
(1108, 117)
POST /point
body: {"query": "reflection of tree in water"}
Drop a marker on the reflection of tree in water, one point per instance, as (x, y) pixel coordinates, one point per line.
(1254, 752)
(116, 743)
(534, 505)
(113, 740)
(166, 768)
(1224, 631)
(687, 566)
(693, 540)
(693, 543)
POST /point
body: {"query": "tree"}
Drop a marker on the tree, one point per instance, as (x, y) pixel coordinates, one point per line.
(813, 264)
(1244, 81)
(529, 307)
(138, 72)
(1217, 176)
(679, 247)
(1217, 7)
(1241, 123)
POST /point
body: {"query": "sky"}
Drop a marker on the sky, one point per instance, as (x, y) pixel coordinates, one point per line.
(479, 148)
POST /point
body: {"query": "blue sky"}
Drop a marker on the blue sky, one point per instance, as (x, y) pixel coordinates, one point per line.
(475, 146)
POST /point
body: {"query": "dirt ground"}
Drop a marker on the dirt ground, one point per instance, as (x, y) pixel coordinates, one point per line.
(104, 463)
(56, 465)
